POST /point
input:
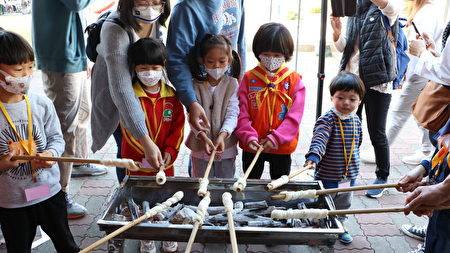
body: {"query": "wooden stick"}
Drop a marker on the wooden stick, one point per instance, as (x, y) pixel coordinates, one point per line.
(174, 199)
(344, 189)
(280, 181)
(56, 159)
(385, 210)
(250, 167)
(228, 205)
(192, 237)
(201, 211)
(128, 163)
(210, 163)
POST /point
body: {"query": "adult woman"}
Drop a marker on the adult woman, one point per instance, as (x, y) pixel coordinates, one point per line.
(113, 98)
(422, 13)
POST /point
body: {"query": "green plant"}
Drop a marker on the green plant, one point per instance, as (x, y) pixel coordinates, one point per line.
(316, 10)
(291, 15)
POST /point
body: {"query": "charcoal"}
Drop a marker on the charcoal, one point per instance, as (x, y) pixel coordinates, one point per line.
(256, 205)
(213, 210)
(265, 223)
(239, 205)
(184, 216)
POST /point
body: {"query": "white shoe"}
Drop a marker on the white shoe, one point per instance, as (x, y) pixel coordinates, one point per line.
(367, 156)
(147, 247)
(415, 158)
(169, 246)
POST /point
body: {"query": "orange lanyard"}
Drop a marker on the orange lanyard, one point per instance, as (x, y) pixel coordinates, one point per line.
(28, 148)
(347, 160)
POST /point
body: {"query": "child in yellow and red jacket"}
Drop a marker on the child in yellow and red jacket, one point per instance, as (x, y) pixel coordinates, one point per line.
(164, 114)
(271, 102)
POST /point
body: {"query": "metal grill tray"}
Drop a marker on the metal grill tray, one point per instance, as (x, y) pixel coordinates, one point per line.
(145, 188)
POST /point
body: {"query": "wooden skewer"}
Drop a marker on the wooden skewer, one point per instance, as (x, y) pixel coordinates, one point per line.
(135, 167)
(210, 163)
(385, 210)
(201, 210)
(273, 186)
(344, 189)
(228, 205)
(252, 164)
(174, 199)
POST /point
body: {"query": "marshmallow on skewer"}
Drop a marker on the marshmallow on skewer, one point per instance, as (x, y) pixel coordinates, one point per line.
(203, 188)
(299, 214)
(239, 185)
(123, 163)
(307, 194)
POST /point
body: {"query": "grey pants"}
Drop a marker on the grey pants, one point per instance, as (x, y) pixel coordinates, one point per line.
(71, 99)
(220, 169)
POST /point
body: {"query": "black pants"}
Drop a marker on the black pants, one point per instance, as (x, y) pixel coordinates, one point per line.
(19, 225)
(120, 172)
(279, 164)
(377, 106)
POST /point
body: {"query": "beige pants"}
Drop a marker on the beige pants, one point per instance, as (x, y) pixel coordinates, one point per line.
(70, 96)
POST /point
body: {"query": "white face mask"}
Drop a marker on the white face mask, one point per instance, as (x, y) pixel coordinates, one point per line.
(16, 85)
(147, 14)
(216, 73)
(149, 78)
(271, 63)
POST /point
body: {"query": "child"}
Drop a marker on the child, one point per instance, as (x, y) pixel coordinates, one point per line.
(271, 100)
(337, 135)
(31, 193)
(216, 91)
(164, 114)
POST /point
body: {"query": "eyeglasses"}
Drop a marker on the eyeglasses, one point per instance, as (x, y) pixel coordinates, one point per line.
(151, 4)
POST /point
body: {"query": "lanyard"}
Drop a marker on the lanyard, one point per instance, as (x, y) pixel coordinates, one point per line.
(439, 158)
(347, 160)
(28, 148)
(271, 89)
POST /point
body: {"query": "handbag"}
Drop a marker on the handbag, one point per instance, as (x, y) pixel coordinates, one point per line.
(432, 107)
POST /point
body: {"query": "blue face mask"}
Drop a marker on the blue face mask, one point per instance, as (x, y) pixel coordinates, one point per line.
(148, 14)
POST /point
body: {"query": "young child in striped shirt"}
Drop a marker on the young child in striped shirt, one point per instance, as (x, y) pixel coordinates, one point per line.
(337, 136)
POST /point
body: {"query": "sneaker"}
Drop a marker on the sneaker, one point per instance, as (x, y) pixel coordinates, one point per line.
(169, 246)
(74, 210)
(376, 193)
(417, 232)
(345, 238)
(367, 156)
(415, 158)
(147, 247)
(420, 249)
(88, 169)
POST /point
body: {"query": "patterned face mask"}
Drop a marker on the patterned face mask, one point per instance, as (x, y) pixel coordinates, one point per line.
(148, 14)
(271, 63)
(216, 73)
(149, 78)
(16, 85)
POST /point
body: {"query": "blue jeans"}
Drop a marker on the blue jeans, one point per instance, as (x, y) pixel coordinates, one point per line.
(342, 200)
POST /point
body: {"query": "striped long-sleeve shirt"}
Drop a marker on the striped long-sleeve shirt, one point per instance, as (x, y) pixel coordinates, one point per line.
(327, 149)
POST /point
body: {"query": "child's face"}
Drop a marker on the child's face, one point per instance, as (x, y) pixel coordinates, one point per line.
(17, 70)
(148, 67)
(215, 58)
(345, 101)
(272, 54)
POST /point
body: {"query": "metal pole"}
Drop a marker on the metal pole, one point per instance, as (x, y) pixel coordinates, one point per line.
(298, 34)
(321, 71)
(270, 14)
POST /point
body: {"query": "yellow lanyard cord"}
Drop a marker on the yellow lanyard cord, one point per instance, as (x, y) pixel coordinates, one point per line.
(30, 129)
(267, 91)
(347, 161)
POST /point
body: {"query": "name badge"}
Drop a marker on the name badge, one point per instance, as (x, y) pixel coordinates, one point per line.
(345, 183)
(37, 192)
(145, 164)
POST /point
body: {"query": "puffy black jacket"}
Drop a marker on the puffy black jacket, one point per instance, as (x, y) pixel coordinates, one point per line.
(376, 63)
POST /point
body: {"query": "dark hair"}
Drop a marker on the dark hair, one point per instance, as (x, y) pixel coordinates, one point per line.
(274, 37)
(14, 49)
(209, 42)
(347, 81)
(147, 51)
(125, 7)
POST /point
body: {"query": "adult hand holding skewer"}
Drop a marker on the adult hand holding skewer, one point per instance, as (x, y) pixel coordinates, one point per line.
(411, 180)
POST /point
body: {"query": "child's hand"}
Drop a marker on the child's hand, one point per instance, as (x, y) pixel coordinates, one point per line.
(309, 162)
(220, 142)
(167, 158)
(254, 145)
(6, 163)
(44, 164)
(268, 145)
(208, 144)
(411, 180)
